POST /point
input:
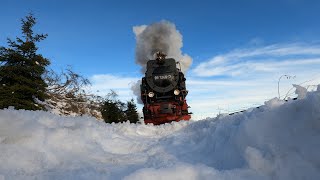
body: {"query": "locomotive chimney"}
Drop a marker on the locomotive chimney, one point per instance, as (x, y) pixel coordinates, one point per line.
(160, 57)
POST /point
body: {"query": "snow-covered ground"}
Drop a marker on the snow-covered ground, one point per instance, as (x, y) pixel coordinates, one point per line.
(280, 140)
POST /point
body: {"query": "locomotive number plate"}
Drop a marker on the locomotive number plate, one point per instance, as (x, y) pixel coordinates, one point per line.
(163, 77)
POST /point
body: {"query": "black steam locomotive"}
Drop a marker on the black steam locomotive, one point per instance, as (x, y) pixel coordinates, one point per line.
(163, 92)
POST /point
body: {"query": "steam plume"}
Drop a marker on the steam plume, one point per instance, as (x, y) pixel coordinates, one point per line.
(161, 36)
(136, 91)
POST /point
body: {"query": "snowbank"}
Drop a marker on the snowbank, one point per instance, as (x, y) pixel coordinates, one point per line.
(280, 140)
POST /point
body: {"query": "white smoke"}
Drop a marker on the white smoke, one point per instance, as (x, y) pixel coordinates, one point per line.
(161, 36)
(136, 91)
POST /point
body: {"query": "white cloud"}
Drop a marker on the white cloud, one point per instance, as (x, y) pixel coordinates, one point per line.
(273, 58)
(102, 83)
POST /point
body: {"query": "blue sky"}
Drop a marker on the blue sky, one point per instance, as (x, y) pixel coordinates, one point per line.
(96, 39)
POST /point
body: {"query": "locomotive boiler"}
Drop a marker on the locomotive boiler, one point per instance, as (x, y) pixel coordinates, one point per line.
(163, 92)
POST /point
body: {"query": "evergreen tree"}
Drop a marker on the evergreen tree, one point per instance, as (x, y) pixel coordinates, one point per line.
(21, 70)
(131, 112)
(112, 110)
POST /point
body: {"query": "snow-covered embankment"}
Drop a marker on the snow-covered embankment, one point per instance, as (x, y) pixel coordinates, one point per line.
(280, 140)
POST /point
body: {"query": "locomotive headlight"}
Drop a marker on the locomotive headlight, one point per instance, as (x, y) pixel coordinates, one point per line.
(176, 92)
(151, 94)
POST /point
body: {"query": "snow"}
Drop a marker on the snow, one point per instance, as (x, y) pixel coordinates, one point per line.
(301, 91)
(279, 140)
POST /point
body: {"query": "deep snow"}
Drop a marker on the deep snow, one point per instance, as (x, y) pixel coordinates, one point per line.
(280, 140)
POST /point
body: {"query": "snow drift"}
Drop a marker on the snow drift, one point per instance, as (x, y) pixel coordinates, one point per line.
(280, 140)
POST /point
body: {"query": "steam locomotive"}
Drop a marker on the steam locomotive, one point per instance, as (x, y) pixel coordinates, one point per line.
(163, 92)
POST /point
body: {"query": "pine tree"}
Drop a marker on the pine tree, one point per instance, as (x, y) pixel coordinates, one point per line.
(21, 70)
(131, 112)
(112, 110)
